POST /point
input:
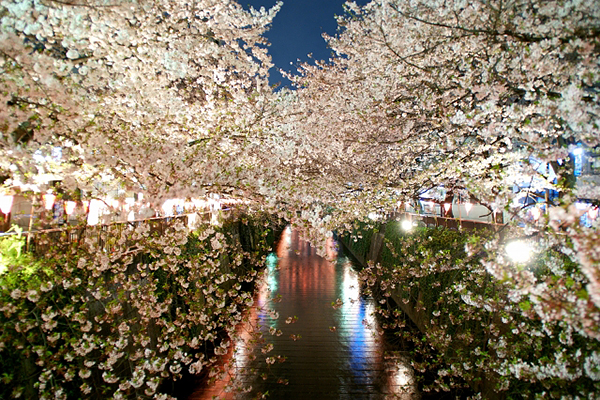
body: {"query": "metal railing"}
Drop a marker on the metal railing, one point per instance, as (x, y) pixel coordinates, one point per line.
(103, 236)
(446, 222)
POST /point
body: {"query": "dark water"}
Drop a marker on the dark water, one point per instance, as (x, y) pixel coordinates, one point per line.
(325, 341)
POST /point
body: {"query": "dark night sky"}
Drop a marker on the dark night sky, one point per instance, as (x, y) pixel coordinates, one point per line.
(296, 31)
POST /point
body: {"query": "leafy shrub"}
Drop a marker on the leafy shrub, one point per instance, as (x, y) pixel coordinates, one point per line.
(124, 311)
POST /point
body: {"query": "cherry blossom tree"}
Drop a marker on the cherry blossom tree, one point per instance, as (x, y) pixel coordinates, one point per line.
(171, 98)
(161, 95)
(463, 94)
(415, 85)
(166, 98)
(421, 94)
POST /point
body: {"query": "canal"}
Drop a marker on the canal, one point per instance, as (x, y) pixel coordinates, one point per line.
(310, 335)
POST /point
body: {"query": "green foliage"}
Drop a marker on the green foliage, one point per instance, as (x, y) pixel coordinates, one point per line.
(11, 248)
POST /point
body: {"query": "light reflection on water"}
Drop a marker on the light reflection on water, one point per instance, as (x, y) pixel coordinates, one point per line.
(332, 348)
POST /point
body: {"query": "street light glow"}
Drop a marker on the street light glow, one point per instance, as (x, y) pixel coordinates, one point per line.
(519, 251)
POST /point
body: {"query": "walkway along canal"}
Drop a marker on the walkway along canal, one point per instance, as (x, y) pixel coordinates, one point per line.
(310, 335)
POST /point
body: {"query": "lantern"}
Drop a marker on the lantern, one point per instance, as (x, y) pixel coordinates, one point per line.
(94, 212)
(6, 202)
(70, 207)
(48, 200)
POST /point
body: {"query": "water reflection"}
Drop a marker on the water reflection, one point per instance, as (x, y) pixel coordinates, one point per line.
(310, 335)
